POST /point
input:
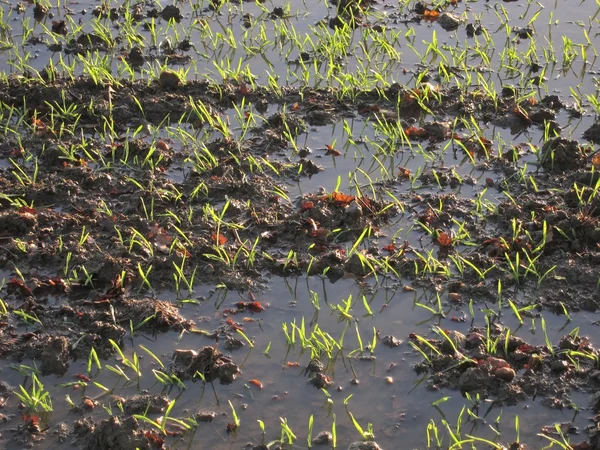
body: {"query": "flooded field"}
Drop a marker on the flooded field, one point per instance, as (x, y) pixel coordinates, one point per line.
(264, 225)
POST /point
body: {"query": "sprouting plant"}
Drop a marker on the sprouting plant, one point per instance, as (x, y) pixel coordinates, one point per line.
(549, 345)
(365, 434)
(37, 399)
(236, 419)
(311, 421)
(286, 432)
(161, 425)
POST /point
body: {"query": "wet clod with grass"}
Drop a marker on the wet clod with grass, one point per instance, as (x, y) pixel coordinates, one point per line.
(209, 364)
(356, 224)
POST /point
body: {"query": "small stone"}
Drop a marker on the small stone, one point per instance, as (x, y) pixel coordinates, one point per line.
(323, 438)
(454, 297)
(449, 21)
(205, 416)
(391, 341)
(559, 366)
(474, 340)
(505, 373)
(169, 79)
(389, 380)
(457, 338)
(364, 446)
(354, 210)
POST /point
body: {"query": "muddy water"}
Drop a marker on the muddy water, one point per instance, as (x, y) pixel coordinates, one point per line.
(400, 411)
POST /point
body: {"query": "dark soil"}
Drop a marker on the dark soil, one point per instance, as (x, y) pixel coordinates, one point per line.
(83, 234)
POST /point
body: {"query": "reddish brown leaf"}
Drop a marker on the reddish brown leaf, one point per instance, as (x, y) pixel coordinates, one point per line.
(444, 239)
(154, 438)
(162, 145)
(332, 151)
(256, 383)
(414, 132)
(82, 377)
(31, 419)
(306, 206)
(27, 210)
(244, 89)
(431, 15)
(390, 248)
(255, 307)
(522, 114)
(403, 172)
(232, 324)
(218, 238)
(17, 151)
(341, 198)
(19, 285)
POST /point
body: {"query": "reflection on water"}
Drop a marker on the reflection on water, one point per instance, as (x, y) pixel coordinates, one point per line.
(400, 408)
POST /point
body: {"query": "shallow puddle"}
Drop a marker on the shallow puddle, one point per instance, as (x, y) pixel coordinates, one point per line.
(384, 215)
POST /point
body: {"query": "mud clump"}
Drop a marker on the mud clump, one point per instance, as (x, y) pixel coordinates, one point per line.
(113, 433)
(561, 154)
(449, 21)
(519, 371)
(171, 12)
(391, 341)
(136, 57)
(371, 445)
(17, 222)
(592, 134)
(316, 371)
(208, 362)
(323, 438)
(146, 403)
(51, 351)
(164, 316)
(55, 357)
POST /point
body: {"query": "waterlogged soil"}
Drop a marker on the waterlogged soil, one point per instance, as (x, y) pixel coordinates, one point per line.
(174, 271)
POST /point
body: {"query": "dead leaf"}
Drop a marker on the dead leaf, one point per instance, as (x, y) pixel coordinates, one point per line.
(341, 198)
(218, 238)
(332, 151)
(444, 239)
(414, 132)
(307, 206)
(162, 145)
(256, 383)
